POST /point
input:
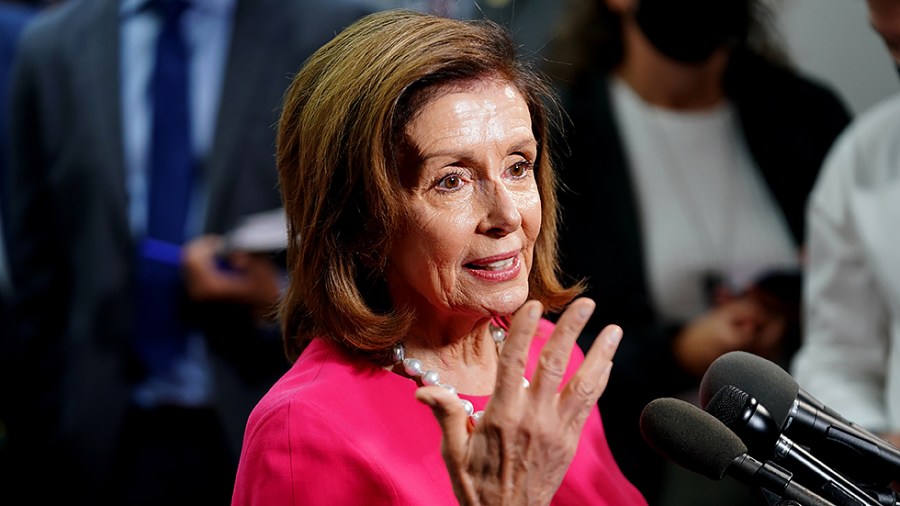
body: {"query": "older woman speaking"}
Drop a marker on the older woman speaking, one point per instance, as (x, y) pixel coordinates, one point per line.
(417, 179)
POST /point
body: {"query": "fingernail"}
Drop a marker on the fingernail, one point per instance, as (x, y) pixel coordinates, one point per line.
(614, 337)
(534, 312)
(584, 311)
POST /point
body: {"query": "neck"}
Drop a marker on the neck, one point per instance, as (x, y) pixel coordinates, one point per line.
(667, 83)
(466, 360)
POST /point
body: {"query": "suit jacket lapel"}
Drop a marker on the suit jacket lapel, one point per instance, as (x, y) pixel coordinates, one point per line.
(246, 65)
(100, 83)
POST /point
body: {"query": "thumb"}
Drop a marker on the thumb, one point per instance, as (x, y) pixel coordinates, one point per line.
(451, 416)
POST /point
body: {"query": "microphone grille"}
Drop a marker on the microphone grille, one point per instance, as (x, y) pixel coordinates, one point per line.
(728, 404)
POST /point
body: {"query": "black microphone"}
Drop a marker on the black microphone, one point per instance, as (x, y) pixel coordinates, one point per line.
(750, 420)
(857, 452)
(697, 441)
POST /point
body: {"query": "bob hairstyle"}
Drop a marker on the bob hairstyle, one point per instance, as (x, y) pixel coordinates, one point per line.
(340, 136)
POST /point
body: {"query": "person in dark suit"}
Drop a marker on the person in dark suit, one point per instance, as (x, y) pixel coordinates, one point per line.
(13, 17)
(693, 146)
(533, 23)
(112, 425)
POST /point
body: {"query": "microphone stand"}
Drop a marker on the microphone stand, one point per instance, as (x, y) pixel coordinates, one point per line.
(812, 499)
(884, 496)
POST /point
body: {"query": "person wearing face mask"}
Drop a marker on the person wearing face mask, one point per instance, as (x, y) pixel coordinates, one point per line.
(692, 146)
(850, 356)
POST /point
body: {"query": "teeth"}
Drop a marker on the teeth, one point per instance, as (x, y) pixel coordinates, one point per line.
(500, 265)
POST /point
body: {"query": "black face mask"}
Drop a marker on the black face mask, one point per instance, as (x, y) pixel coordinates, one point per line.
(689, 31)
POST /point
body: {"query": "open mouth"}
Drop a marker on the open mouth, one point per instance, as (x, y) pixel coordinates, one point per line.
(498, 265)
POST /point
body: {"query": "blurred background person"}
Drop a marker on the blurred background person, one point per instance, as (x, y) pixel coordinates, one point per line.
(426, 261)
(457, 9)
(533, 23)
(832, 40)
(692, 148)
(139, 131)
(13, 17)
(850, 355)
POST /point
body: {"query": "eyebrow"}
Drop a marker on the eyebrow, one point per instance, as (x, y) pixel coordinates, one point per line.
(469, 156)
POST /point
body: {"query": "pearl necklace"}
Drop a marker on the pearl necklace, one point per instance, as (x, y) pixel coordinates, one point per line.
(414, 368)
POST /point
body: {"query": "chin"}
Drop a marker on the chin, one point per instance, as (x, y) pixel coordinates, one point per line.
(507, 302)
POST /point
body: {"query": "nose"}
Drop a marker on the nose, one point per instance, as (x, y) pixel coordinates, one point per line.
(501, 213)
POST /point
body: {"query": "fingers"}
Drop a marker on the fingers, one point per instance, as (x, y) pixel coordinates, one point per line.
(249, 279)
(514, 357)
(240, 260)
(202, 249)
(198, 264)
(451, 416)
(746, 310)
(586, 386)
(554, 358)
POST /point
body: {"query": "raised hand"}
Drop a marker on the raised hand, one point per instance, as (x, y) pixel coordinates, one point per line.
(520, 449)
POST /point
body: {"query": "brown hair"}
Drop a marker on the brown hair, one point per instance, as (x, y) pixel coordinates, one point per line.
(341, 129)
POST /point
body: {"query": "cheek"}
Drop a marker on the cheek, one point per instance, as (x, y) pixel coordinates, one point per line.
(439, 238)
(529, 205)
(455, 222)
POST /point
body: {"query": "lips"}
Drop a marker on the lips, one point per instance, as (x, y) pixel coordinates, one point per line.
(499, 265)
(495, 262)
(503, 267)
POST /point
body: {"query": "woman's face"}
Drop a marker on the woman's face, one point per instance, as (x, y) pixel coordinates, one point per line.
(472, 203)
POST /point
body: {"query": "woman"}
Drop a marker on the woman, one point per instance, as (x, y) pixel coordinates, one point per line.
(693, 149)
(416, 177)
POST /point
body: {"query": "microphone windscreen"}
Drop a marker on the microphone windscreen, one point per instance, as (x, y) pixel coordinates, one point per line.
(761, 378)
(690, 437)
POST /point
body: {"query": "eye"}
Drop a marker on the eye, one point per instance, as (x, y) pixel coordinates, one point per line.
(450, 182)
(520, 169)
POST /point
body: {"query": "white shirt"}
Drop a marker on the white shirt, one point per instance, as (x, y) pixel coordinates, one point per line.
(703, 205)
(850, 357)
